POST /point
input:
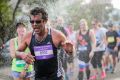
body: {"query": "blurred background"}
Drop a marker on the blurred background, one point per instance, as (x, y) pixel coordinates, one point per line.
(12, 11)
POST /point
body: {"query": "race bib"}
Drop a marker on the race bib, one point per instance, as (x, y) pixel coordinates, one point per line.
(111, 39)
(82, 64)
(43, 52)
(82, 48)
(20, 63)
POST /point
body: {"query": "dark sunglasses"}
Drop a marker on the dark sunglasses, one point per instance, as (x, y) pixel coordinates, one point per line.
(37, 21)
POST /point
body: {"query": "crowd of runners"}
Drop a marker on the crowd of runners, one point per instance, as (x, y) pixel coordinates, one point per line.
(52, 51)
(96, 48)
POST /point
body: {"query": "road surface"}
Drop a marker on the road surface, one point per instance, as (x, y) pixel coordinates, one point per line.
(5, 73)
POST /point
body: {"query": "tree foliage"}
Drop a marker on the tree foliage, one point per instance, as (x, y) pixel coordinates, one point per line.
(89, 12)
(72, 13)
(7, 18)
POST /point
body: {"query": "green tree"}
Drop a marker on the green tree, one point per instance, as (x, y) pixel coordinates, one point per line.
(89, 12)
(7, 18)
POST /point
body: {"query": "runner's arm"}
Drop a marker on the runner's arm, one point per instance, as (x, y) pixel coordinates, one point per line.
(93, 40)
(117, 42)
(66, 44)
(93, 44)
(20, 51)
(12, 48)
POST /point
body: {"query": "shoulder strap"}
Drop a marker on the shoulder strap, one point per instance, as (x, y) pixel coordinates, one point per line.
(77, 35)
(88, 32)
(49, 31)
(16, 43)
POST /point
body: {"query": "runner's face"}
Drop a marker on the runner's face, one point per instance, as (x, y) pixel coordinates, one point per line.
(94, 25)
(38, 24)
(21, 30)
(111, 28)
(83, 27)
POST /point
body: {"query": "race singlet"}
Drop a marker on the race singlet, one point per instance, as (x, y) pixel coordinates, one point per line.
(43, 52)
(111, 39)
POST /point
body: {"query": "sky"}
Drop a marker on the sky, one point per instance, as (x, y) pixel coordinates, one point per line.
(116, 3)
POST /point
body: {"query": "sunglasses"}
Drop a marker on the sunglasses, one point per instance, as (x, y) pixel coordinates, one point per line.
(37, 21)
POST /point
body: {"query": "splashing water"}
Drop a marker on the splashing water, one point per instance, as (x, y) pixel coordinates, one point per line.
(5, 58)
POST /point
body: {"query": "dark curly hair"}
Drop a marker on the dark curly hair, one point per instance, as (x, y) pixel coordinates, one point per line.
(37, 11)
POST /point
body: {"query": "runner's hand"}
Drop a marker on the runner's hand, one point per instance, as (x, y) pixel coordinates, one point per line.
(68, 47)
(22, 74)
(28, 58)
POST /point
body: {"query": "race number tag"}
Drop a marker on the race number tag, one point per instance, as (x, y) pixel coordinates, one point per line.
(43, 52)
(111, 39)
(20, 63)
